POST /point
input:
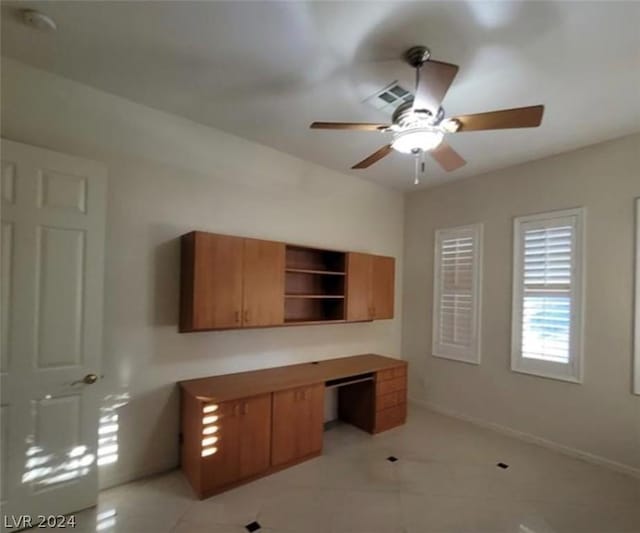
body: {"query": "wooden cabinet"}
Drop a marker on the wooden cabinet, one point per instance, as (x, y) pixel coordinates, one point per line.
(211, 296)
(391, 398)
(241, 445)
(298, 421)
(359, 287)
(263, 282)
(238, 427)
(235, 282)
(383, 286)
(370, 287)
(230, 282)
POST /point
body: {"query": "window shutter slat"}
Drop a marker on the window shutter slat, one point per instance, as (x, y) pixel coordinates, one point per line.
(455, 307)
(546, 316)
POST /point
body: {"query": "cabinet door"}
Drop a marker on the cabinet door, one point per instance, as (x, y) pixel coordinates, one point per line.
(255, 435)
(217, 284)
(383, 286)
(359, 287)
(298, 423)
(263, 300)
(223, 466)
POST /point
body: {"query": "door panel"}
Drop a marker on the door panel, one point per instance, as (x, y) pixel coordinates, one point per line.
(59, 303)
(359, 287)
(223, 467)
(53, 213)
(217, 281)
(312, 420)
(255, 435)
(383, 287)
(298, 423)
(263, 301)
(5, 293)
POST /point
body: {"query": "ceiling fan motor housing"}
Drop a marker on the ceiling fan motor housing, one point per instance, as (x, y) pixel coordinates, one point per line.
(405, 116)
(416, 56)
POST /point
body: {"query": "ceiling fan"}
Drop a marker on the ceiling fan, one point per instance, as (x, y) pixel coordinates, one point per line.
(419, 125)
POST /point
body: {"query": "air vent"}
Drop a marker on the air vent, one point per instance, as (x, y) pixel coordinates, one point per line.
(389, 98)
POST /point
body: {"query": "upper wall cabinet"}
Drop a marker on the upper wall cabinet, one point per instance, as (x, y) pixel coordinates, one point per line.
(234, 282)
(359, 287)
(263, 283)
(230, 282)
(383, 286)
(211, 279)
(370, 287)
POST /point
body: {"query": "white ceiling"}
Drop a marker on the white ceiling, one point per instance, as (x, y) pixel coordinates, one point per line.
(265, 70)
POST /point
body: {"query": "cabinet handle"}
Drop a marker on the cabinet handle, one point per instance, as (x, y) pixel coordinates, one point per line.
(236, 409)
(246, 316)
(304, 394)
(237, 317)
(245, 408)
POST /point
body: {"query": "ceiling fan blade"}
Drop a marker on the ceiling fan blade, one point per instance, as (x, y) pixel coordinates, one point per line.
(433, 81)
(374, 157)
(519, 117)
(360, 126)
(447, 157)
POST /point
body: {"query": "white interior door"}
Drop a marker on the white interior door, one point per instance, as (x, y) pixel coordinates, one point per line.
(53, 217)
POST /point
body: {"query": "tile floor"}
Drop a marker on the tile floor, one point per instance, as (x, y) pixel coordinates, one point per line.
(445, 481)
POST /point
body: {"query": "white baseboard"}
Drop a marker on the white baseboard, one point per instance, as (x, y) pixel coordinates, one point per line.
(527, 437)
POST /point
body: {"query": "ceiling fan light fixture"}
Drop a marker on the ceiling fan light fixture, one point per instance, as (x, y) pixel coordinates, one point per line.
(412, 141)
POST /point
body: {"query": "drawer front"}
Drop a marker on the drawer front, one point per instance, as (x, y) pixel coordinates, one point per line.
(390, 400)
(391, 385)
(392, 417)
(391, 373)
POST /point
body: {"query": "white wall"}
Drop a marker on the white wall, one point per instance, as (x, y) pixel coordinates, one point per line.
(600, 416)
(168, 176)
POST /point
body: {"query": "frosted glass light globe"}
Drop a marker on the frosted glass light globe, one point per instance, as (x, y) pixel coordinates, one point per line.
(410, 141)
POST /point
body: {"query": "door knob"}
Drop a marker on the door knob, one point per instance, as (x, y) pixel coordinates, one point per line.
(89, 379)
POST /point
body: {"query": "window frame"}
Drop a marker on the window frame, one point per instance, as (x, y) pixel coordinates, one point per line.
(572, 371)
(439, 349)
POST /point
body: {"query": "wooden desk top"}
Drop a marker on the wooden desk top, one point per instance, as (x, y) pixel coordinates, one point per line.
(244, 384)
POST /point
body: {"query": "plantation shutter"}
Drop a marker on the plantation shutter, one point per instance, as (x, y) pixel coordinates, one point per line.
(456, 293)
(547, 303)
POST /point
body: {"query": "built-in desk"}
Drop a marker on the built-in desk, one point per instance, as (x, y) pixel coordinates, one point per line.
(238, 427)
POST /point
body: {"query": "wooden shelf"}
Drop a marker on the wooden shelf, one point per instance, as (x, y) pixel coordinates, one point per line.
(304, 322)
(316, 296)
(320, 272)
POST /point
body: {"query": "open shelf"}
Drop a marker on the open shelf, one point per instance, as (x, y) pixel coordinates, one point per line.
(316, 296)
(304, 322)
(320, 272)
(314, 285)
(315, 260)
(313, 309)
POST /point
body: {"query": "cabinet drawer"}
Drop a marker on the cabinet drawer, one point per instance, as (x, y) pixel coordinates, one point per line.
(390, 400)
(391, 385)
(391, 373)
(392, 417)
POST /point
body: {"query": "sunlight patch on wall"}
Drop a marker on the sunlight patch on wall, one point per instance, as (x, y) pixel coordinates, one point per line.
(108, 428)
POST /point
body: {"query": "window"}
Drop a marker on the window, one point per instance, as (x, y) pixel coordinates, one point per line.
(456, 293)
(547, 295)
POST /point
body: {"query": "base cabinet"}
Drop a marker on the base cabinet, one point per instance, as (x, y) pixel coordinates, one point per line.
(239, 427)
(241, 444)
(298, 423)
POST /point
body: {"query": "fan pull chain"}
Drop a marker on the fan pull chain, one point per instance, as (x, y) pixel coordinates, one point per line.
(420, 166)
